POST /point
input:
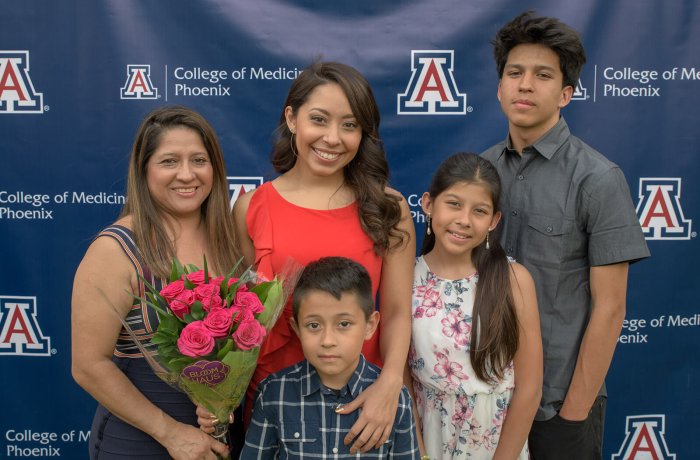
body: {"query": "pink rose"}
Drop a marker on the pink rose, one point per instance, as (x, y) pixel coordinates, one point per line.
(249, 334)
(208, 294)
(241, 287)
(212, 303)
(172, 290)
(195, 340)
(216, 281)
(240, 314)
(196, 277)
(219, 321)
(249, 301)
(182, 303)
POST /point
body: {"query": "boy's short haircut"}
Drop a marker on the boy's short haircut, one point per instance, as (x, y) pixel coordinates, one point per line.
(546, 31)
(336, 276)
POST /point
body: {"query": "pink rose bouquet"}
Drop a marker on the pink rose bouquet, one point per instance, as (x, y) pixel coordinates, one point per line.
(210, 332)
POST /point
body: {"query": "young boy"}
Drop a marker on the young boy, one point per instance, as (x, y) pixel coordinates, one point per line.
(296, 413)
(569, 218)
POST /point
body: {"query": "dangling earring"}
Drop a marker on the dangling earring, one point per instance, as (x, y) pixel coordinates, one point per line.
(291, 143)
(488, 246)
(428, 224)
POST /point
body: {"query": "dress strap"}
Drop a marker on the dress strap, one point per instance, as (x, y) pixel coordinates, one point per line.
(141, 318)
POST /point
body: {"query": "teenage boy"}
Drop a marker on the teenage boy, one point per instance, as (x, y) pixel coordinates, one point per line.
(570, 220)
(297, 412)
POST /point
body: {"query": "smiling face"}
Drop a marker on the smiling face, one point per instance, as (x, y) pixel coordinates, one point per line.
(531, 91)
(461, 216)
(327, 134)
(332, 333)
(179, 173)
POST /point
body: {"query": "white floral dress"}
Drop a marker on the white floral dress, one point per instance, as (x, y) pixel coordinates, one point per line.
(461, 415)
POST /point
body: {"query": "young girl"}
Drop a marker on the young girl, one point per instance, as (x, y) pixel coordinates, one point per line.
(476, 351)
(332, 199)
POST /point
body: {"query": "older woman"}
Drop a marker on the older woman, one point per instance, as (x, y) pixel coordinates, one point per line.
(177, 206)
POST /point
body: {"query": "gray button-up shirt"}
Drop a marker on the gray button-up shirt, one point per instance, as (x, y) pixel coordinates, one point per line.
(565, 208)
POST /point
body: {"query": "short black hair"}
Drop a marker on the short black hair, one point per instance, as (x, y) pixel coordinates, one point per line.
(336, 276)
(550, 32)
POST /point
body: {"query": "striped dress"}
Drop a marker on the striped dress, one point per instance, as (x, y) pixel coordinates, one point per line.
(111, 438)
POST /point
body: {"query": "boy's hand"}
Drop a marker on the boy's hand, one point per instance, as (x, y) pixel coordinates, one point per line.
(379, 403)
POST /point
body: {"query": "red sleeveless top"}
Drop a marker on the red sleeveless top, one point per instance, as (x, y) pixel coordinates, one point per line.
(281, 230)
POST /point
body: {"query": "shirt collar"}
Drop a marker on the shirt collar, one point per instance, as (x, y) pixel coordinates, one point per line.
(549, 143)
(311, 382)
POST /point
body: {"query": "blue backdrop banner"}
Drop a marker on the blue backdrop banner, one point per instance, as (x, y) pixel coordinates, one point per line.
(76, 78)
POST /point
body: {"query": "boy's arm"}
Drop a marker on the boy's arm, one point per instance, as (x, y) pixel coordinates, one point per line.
(262, 437)
(615, 239)
(405, 444)
(608, 293)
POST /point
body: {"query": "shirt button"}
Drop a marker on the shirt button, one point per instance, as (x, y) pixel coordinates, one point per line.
(296, 435)
(510, 250)
(521, 177)
(514, 212)
(549, 229)
(335, 450)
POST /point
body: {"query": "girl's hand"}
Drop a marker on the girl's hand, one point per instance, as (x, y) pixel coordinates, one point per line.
(379, 403)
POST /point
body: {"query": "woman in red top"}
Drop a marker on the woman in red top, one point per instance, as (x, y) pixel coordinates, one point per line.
(332, 199)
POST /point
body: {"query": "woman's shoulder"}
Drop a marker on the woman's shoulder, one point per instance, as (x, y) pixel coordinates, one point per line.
(244, 201)
(403, 206)
(393, 192)
(107, 254)
(121, 231)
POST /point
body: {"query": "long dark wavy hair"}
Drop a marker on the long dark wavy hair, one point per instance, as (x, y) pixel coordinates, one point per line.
(367, 174)
(150, 234)
(494, 334)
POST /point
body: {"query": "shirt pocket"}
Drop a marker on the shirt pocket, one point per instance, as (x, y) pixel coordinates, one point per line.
(544, 243)
(299, 437)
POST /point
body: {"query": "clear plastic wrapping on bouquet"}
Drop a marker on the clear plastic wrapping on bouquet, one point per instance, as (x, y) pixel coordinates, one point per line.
(210, 331)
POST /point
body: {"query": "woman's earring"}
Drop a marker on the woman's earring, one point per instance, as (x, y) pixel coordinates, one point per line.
(427, 224)
(488, 246)
(291, 144)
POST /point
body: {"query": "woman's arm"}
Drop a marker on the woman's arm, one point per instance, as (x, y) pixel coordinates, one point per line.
(95, 326)
(408, 381)
(380, 400)
(527, 365)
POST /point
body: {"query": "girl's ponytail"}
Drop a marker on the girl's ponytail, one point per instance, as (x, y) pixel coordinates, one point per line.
(494, 335)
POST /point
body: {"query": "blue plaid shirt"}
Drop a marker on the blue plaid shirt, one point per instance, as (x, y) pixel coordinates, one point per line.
(294, 418)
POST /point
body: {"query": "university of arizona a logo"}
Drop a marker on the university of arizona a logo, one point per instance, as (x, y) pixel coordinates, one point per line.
(138, 83)
(20, 333)
(645, 439)
(432, 89)
(659, 209)
(17, 94)
(580, 92)
(239, 185)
